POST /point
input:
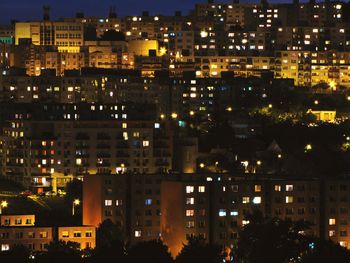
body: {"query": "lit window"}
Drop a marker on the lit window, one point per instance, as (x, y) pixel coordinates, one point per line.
(222, 212)
(148, 201)
(190, 224)
(201, 189)
(343, 243)
(138, 233)
(189, 201)
(190, 212)
(189, 189)
(234, 188)
(331, 221)
(5, 247)
(331, 233)
(245, 199)
(289, 187)
(156, 125)
(43, 234)
(234, 213)
(245, 222)
(119, 202)
(278, 188)
(124, 125)
(257, 200)
(257, 188)
(78, 161)
(289, 199)
(108, 202)
(65, 234)
(145, 143)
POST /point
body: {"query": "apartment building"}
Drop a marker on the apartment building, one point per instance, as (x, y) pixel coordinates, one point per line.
(67, 36)
(75, 140)
(214, 206)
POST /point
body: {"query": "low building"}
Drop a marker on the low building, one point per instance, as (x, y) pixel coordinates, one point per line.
(35, 238)
(17, 220)
(85, 236)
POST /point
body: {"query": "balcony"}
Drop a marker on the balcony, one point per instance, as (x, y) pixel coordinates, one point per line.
(122, 154)
(82, 136)
(103, 155)
(123, 144)
(103, 136)
(103, 146)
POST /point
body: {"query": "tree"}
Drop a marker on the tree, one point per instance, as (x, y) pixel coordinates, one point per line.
(60, 251)
(271, 240)
(149, 251)
(197, 250)
(74, 190)
(18, 253)
(112, 35)
(109, 243)
(325, 251)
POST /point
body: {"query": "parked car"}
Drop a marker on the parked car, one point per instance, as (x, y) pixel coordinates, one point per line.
(26, 193)
(61, 192)
(50, 193)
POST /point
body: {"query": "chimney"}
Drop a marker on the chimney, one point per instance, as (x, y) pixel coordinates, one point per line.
(46, 15)
(112, 12)
(79, 15)
(178, 13)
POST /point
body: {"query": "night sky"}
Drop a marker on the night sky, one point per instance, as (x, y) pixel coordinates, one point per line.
(23, 10)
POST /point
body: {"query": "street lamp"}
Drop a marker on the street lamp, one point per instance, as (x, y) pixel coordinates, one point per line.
(76, 202)
(3, 204)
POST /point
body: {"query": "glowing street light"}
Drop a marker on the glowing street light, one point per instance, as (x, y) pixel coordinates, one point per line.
(279, 156)
(3, 204)
(162, 51)
(76, 202)
(308, 147)
(174, 115)
(258, 162)
(202, 165)
(204, 33)
(270, 106)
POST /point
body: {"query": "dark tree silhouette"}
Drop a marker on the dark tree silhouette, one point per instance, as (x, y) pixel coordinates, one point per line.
(326, 251)
(149, 251)
(112, 35)
(198, 250)
(16, 254)
(109, 243)
(60, 251)
(271, 240)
